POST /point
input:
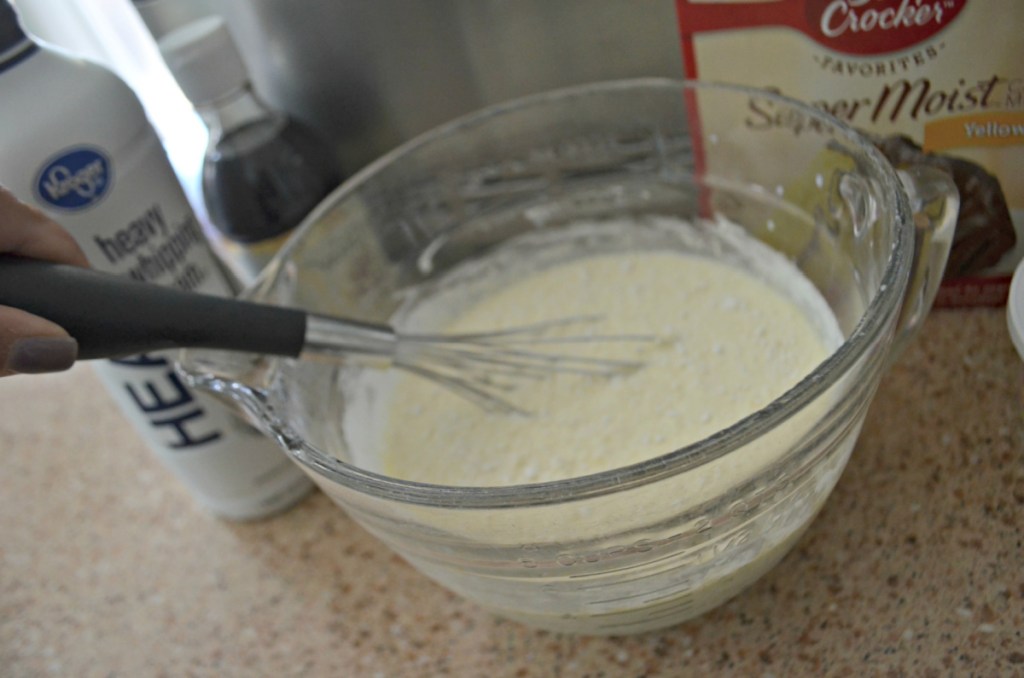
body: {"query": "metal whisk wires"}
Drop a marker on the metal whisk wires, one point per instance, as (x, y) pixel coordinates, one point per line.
(483, 367)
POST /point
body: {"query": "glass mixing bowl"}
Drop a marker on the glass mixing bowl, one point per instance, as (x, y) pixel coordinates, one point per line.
(655, 543)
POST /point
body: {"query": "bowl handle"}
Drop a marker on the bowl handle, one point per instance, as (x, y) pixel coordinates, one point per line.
(934, 203)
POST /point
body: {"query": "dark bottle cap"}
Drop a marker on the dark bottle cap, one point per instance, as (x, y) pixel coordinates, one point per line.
(11, 33)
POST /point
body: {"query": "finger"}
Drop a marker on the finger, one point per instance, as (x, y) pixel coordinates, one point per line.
(27, 232)
(32, 345)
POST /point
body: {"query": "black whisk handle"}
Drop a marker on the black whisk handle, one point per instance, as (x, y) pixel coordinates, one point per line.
(112, 316)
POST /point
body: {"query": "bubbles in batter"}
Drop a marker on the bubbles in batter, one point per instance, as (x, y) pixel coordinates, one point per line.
(729, 342)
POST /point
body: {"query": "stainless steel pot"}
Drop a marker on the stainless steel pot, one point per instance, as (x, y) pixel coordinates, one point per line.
(371, 74)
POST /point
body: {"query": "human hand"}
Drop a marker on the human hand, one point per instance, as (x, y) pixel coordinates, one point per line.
(30, 344)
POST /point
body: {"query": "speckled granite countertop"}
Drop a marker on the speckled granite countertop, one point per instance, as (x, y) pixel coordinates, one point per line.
(915, 567)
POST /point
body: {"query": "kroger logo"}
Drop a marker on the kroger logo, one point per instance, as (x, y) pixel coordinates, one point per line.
(75, 179)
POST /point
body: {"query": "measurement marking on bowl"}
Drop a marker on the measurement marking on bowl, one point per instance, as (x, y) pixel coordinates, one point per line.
(702, 526)
(675, 588)
(685, 601)
(682, 590)
(737, 536)
(626, 568)
(684, 559)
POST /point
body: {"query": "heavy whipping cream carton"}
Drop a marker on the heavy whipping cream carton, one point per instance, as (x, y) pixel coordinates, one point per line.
(939, 82)
(78, 146)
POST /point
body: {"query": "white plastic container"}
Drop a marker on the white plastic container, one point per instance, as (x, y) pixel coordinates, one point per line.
(77, 145)
(1015, 309)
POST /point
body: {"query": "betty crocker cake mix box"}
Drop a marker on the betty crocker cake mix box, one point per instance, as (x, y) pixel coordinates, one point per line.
(934, 81)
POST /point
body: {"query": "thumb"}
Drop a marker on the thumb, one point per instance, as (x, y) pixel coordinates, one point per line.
(31, 345)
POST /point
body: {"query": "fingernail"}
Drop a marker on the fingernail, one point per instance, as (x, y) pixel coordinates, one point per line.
(36, 355)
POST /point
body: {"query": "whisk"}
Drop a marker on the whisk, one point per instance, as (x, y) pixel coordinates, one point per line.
(112, 316)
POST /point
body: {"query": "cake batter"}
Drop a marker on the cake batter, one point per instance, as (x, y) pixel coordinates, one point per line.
(728, 344)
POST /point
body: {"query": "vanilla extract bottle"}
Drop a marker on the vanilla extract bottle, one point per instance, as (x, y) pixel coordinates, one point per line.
(263, 171)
